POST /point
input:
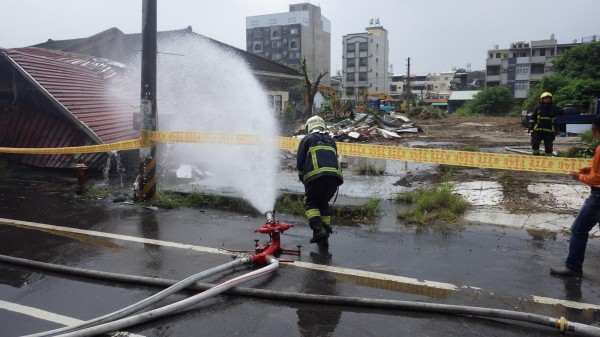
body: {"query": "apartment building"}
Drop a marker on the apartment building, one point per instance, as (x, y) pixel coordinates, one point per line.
(287, 37)
(523, 64)
(365, 61)
(423, 85)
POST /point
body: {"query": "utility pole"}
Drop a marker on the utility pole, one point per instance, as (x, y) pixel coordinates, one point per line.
(146, 182)
(408, 87)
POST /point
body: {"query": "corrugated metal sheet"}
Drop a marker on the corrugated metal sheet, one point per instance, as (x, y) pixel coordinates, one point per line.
(115, 45)
(69, 100)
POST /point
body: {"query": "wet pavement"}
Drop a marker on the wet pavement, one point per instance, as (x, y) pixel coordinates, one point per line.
(479, 264)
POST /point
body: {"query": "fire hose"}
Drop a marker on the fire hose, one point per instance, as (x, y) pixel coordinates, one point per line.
(272, 228)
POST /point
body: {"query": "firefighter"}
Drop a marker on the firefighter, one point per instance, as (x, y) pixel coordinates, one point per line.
(542, 123)
(321, 173)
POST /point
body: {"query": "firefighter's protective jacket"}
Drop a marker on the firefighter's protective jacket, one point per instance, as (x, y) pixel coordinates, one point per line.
(317, 157)
(544, 118)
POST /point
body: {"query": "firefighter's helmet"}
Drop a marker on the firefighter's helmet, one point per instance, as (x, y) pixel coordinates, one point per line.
(545, 94)
(314, 122)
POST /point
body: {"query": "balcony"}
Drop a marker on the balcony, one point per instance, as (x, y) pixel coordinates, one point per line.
(522, 77)
(538, 59)
(493, 62)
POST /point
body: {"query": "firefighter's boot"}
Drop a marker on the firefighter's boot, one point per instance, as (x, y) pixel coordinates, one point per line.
(319, 232)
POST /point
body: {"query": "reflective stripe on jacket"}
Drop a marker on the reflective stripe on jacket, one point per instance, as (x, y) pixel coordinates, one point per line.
(317, 156)
(544, 118)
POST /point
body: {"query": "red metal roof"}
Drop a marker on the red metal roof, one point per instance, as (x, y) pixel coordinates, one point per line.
(60, 99)
(85, 87)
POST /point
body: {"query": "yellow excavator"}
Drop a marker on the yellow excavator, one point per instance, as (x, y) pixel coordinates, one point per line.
(339, 109)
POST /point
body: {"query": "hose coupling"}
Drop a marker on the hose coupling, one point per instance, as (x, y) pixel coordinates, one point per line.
(270, 215)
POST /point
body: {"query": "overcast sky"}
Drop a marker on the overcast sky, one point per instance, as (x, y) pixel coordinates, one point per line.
(436, 34)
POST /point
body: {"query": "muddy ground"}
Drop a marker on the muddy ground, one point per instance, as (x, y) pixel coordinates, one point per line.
(488, 134)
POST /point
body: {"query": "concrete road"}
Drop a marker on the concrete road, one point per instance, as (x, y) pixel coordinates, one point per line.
(478, 265)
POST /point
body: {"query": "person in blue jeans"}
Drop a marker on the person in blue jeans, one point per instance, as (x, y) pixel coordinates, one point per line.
(588, 216)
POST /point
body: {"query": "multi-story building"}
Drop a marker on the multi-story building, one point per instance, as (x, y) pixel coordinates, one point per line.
(365, 62)
(424, 85)
(523, 64)
(287, 37)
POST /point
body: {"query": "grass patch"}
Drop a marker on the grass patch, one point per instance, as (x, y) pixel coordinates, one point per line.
(583, 152)
(294, 204)
(291, 204)
(195, 199)
(435, 205)
(368, 168)
(365, 212)
(90, 192)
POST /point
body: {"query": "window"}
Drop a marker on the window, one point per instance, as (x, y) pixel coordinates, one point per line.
(350, 91)
(362, 76)
(294, 55)
(291, 20)
(293, 45)
(363, 62)
(521, 85)
(275, 34)
(275, 44)
(255, 23)
(498, 55)
(363, 46)
(493, 71)
(350, 48)
(351, 62)
(275, 102)
(257, 47)
(522, 69)
(276, 56)
(272, 21)
(350, 77)
(294, 31)
(257, 33)
(542, 52)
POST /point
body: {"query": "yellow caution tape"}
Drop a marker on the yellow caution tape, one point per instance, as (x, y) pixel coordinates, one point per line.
(203, 137)
(466, 158)
(119, 146)
(447, 157)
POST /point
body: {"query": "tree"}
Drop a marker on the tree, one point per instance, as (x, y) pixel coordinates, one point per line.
(576, 79)
(311, 88)
(491, 101)
(582, 62)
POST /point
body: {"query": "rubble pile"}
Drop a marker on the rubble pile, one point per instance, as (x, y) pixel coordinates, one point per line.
(368, 127)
